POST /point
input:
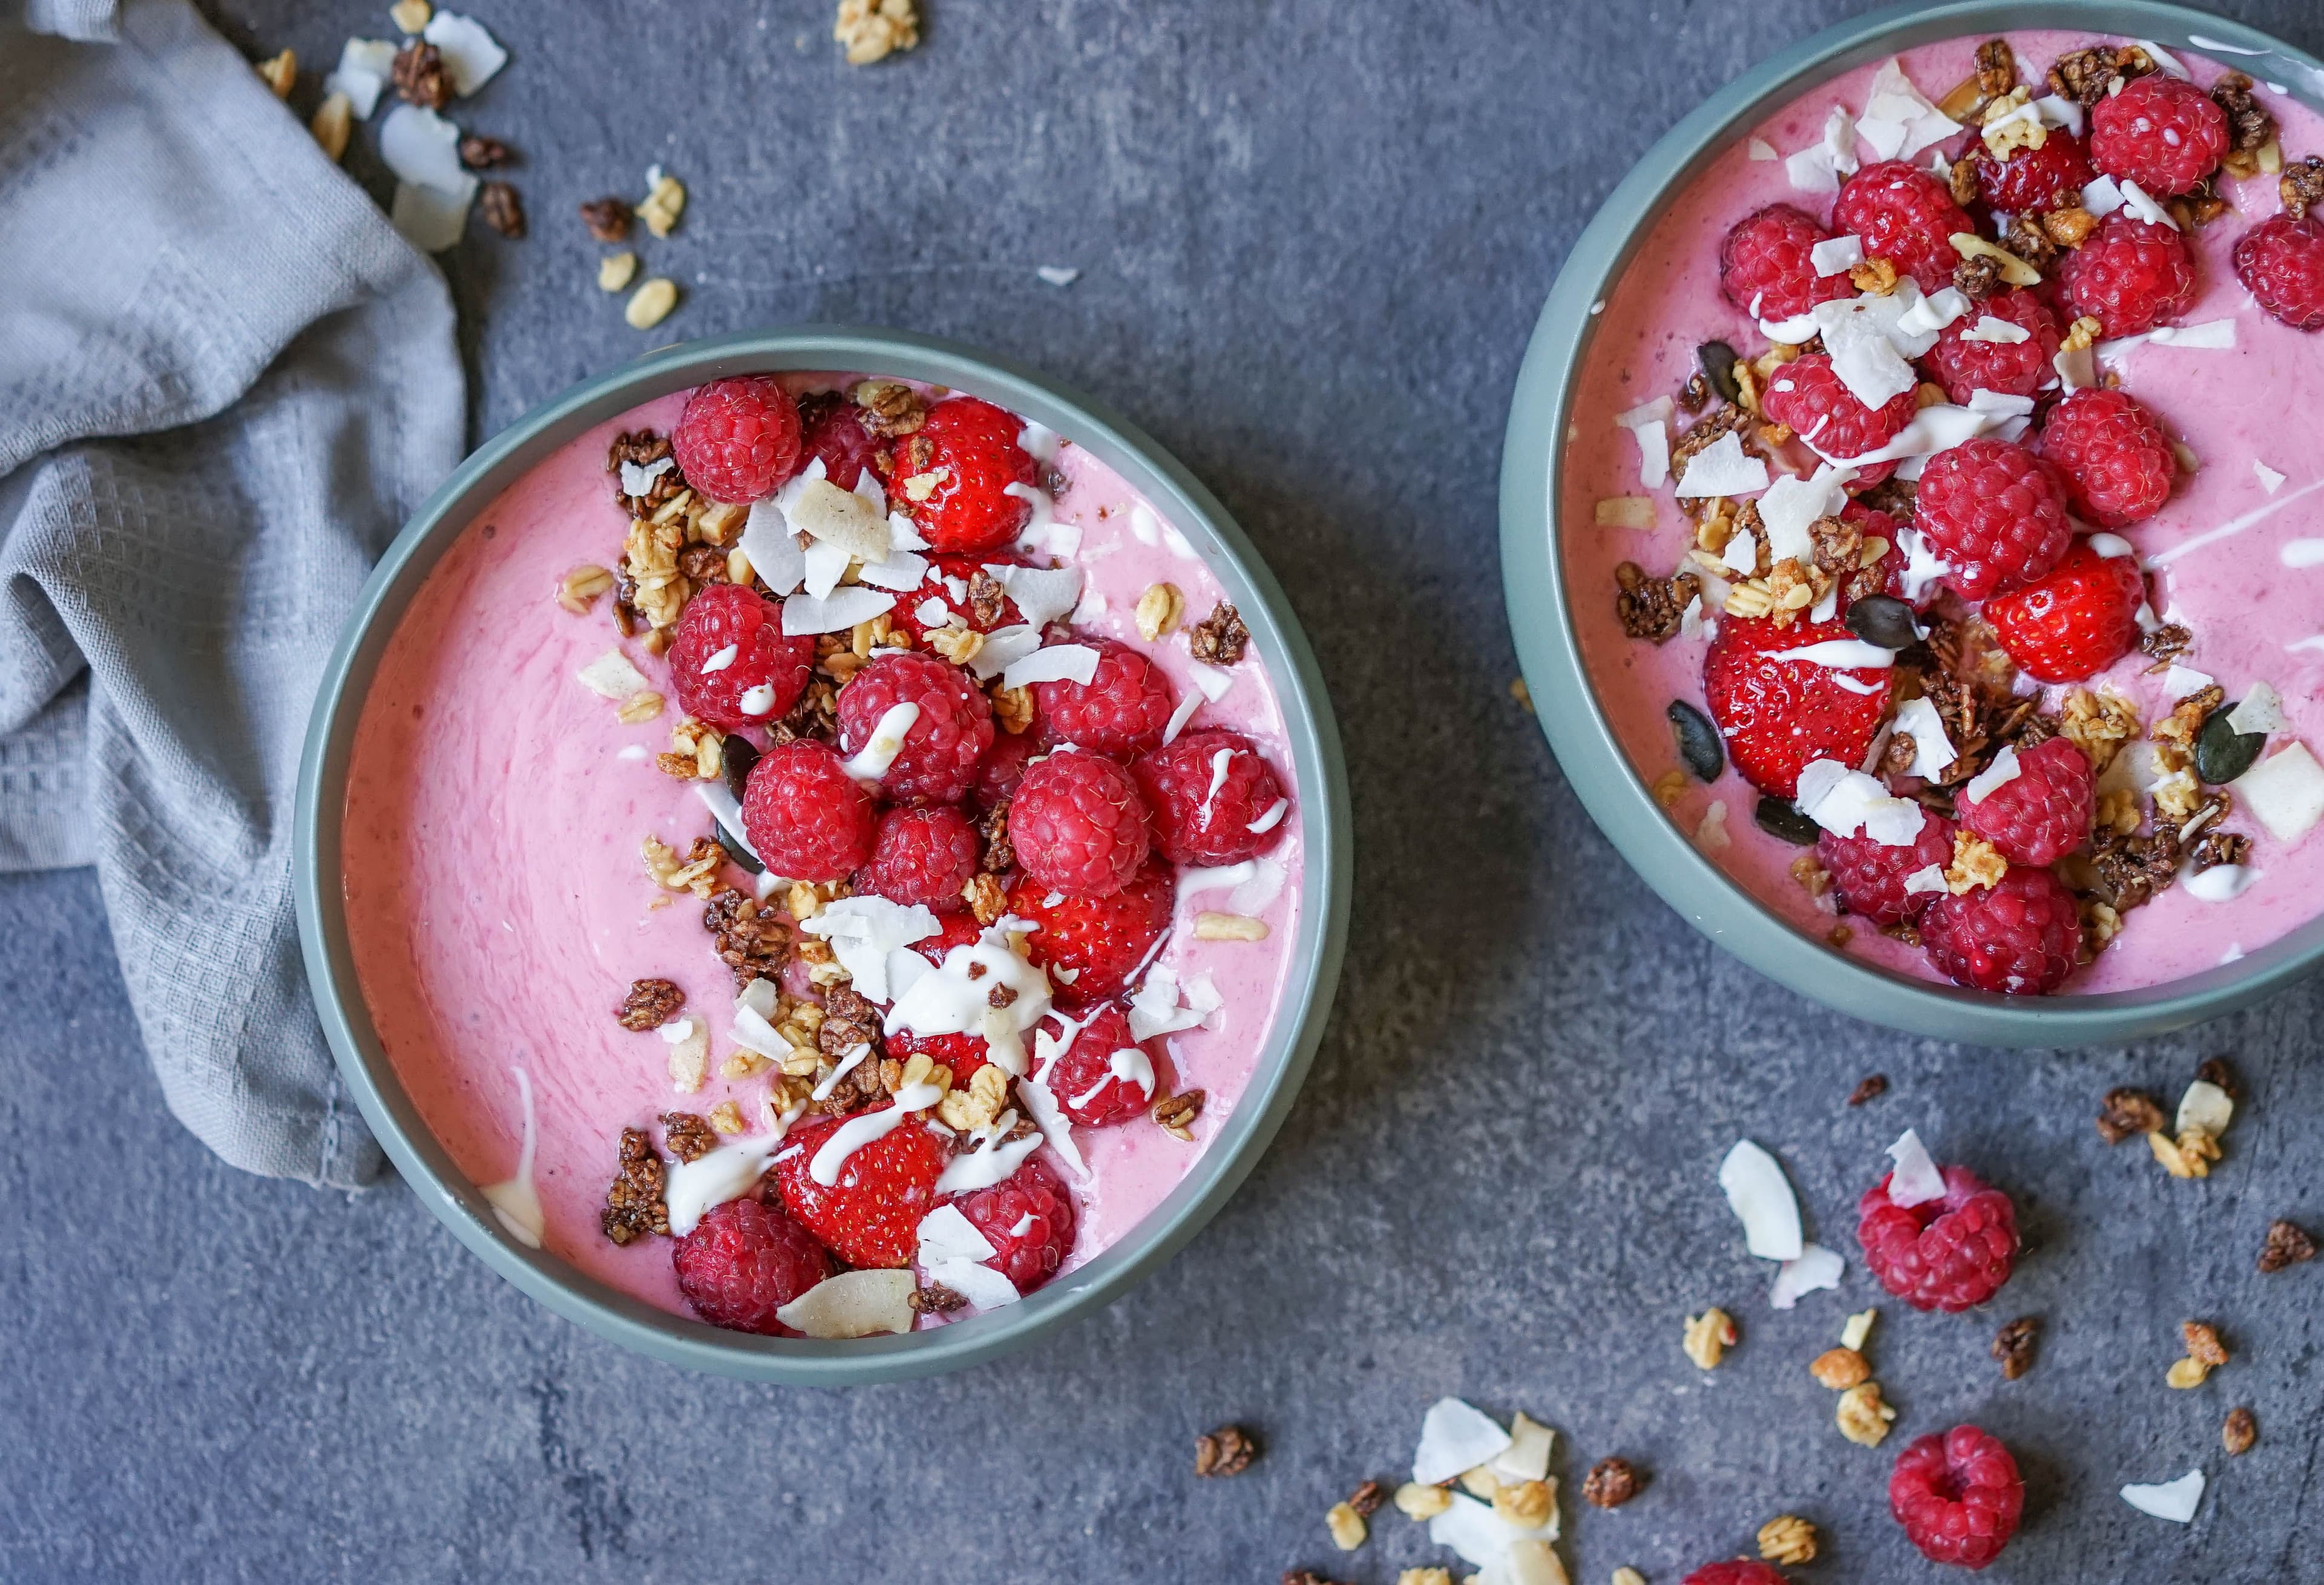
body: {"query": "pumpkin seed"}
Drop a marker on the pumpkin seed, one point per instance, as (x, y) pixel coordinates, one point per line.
(737, 757)
(1882, 619)
(1717, 360)
(1698, 741)
(1781, 818)
(2221, 753)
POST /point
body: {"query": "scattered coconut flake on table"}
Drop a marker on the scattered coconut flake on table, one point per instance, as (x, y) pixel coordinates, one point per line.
(612, 676)
(2207, 1107)
(804, 615)
(1761, 1198)
(423, 149)
(1917, 1180)
(2175, 1500)
(854, 1304)
(1526, 1458)
(1455, 1437)
(1482, 1536)
(1058, 275)
(366, 65)
(2285, 791)
(428, 219)
(1817, 1268)
(1722, 468)
(471, 55)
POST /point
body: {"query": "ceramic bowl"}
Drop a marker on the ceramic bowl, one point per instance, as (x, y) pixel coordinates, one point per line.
(1539, 602)
(1322, 803)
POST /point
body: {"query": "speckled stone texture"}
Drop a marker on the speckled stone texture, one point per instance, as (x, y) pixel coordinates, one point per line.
(1313, 239)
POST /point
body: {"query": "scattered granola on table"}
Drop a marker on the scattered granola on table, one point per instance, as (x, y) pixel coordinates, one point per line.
(1227, 1451)
(2287, 1245)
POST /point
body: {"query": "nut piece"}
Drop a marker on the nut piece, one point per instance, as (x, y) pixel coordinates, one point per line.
(607, 219)
(2186, 1373)
(332, 124)
(1346, 1525)
(1158, 610)
(410, 15)
(1220, 639)
(873, 29)
(1366, 1499)
(278, 72)
(1611, 1483)
(420, 76)
(663, 205)
(2203, 1342)
(2013, 1345)
(2126, 1114)
(503, 209)
(1527, 1504)
(1176, 1113)
(1870, 1089)
(2287, 1245)
(1628, 1576)
(1210, 926)
(1425, 1576)
(615, 271)
(1840, 1368)
(1416, 1501)
(1787, 1539)
(1862, 1418)
(1708, 1336)
(651, 304)
(1227, 1451)
(2239, 1432)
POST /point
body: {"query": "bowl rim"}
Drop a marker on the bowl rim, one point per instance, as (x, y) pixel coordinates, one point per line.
(1538, 599)
(1310, 731)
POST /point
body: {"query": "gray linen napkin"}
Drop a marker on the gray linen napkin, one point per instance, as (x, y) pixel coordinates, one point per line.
(225, 382)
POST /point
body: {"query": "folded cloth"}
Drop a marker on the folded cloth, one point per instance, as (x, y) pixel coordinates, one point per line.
(225, 380)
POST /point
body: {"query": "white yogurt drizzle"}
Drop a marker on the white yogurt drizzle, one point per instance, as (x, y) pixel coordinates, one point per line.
(886, 740)
(515, 1201)
(849, 1137)
(2229, 530)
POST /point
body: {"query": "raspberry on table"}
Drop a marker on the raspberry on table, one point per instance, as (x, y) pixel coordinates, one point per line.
(925, 855)
(2280, 262)
(1093, 1091)
(1001, 770)
(2116, 462)
(736, 439)
(1995, 512)
(2075, 622)
(2019, 937)
(2040, 815)
(1777, 715)
(831, 429)
(1093, 946)
(1807, 393)
(952, 476)
(807, 818)
(730, 664)
(943, 744)
(2130, 275)
(1123, 709)
(2161, 131)
(2011, 368)
(1948, 1254)
(743, 1262)
(1028, 1219)
(1957, 1496)
(872, 1216)
(1869, 878)
(1206, 806)
(1904, 215)
(1737, 1571)
(1765, 269)
(1079, 824)
(2030, 179)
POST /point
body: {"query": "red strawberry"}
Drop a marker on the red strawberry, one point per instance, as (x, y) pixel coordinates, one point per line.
(2074, 622)
(870, 1215)
(953, 477)
(1093, 946)
(1777, 715)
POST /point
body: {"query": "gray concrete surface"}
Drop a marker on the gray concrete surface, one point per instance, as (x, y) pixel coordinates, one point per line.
(1312, 237)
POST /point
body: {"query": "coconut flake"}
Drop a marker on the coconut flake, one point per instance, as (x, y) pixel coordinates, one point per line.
(2261, 709)
(1817, 1268)
(430, 220)
(694, 1188)
(1818, 167)
(1043, 595)
(1156, 1008)
(365, 68)
(1837, 255)
(2175, 1500)
(1934, 312)
(1480, 1536)
(1789, 509)
(1652, 437)
(1933, 749)
(1845, 802)
(2179, 681)
(1997, 330)
(854, 1304)
(2285, 791)
(945, 1234)
(863, 930)
(1722, 468)
(1928, 879)
(1003, 648)
(2000, 773)
(727, 812)
(2269, 479)
(1762, 1199)
(423, 149)
(1454, 1438)
(836, 612)
(1526, 1458)
(2135, 201)
(1056, 274)
(840, 518)
(471, 55)
(611, 675)
(2161, 58)
(903, 572)
(1915, 1180)
(1760, 150)
(771, 548)
(1073, 663)
(1179, 716)
(2205, 1105)
(1213, 682)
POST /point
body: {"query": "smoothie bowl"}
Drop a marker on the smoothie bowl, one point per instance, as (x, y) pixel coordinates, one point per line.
(1905, 507)
(823, 856)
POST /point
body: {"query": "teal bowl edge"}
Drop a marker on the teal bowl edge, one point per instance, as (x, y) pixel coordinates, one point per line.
(1309, 726)
(1533, 581)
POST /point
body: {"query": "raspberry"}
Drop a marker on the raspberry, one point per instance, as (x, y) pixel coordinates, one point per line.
(1093, 1090)
(2280, 261)
(1092, 947)
(2011, 368)
(2075, 622)
(743, 1262)
(2162, 133)
(2019, 938)
(1995, 512)
(2115, 462)
(2040, 815)
(1763, 266)
(1079, 824)
(831, 429)
(1027, 1218)
(1869, 878)
(1949, 1253)
(972, 447)
(942, 745)
(736, 439)
(762, 674)
(954, 581)
(1777, 715)
(922, 856)
(1737, 1571)
(2131, 275)
(1872, 523)
(1123, 709)
(1205, 806)
(2029, 181)
(806, 817)
(1808, 395)
(1957, 1496)
(872, 1215)
(1001, 770)
(1904, 215)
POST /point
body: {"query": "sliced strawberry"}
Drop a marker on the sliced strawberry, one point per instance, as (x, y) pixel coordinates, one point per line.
(870, 1216)
(2077, 622)
(1777, 715)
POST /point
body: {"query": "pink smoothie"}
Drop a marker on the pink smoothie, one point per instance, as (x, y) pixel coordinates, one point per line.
(2231, 555)
(499, 908)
